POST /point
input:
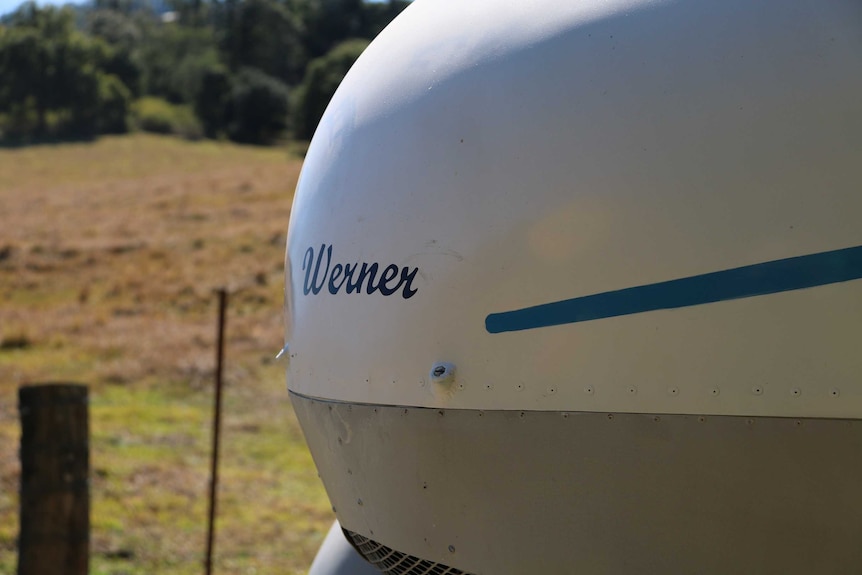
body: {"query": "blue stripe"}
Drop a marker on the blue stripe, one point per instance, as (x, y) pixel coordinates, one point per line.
(749, 281)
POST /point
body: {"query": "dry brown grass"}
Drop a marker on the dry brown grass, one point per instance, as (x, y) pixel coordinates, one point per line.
(109, 253)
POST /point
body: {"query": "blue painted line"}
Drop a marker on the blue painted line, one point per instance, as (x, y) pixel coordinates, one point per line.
(748, 281)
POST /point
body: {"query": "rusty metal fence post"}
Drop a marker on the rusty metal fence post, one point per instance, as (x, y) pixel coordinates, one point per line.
(54, 536)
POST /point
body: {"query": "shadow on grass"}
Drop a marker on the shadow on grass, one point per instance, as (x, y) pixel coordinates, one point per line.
(13, 142)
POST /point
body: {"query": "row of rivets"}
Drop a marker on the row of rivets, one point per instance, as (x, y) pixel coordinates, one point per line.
(445, 373)
(672, 391)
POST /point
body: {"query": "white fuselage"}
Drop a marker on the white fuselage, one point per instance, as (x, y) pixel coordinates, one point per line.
(599, 252)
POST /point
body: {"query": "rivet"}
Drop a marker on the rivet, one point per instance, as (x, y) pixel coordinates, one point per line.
(757, 390)
(673, 391)
(834, 392)
(552, 390)
(442, 372)
(632, 390)
(589, 390)
(610, 416)
(565, 415)
(715, 391)
(795, 392)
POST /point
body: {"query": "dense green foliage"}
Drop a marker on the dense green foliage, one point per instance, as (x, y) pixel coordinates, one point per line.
(162, 117)
(55, 76)
(214, 68)
(321, 79)
(257, 109)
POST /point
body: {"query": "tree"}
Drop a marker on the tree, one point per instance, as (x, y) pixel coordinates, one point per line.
(213, 98)
(76, 70)
(265, 35)
(32, 51)
(123, 34)
(257, 112)
(330, 22)
(174, 59)
(115, 99)
(48, 66)
(321, 80)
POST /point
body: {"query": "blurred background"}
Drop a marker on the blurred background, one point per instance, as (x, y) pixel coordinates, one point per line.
(148, 155)
(250, 71)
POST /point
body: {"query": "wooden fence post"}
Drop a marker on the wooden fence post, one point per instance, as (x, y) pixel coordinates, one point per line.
(222, 308)
(55, 495)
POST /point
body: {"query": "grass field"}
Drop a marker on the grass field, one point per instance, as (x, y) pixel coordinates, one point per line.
(109, 253)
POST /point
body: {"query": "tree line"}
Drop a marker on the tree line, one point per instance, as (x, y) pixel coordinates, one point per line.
(252, 71)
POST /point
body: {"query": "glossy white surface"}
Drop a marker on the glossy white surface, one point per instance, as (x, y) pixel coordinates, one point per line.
(529, 152)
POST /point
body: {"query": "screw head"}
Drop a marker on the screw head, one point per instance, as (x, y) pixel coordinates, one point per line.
(442, 372)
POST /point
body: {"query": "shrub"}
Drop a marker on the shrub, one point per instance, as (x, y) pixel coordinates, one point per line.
(161, 117)
(154, 115)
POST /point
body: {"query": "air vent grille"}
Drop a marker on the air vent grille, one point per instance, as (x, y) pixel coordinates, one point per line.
(392, 562)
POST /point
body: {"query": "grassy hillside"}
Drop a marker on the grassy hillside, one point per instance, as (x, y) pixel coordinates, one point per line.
(109, 253)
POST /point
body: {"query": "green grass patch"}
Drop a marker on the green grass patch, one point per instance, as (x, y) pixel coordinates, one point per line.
(113, 247)
(48, 360)
(150, 457)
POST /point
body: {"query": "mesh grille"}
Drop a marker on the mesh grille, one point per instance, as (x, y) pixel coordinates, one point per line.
(392, 562)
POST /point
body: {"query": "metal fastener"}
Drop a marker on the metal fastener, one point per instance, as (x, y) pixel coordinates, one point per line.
(442, 372)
